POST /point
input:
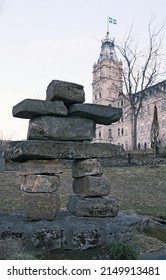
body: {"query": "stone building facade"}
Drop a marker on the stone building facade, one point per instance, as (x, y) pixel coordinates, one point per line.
(106, 86)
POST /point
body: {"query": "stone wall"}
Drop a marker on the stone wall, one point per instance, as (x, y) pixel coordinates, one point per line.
(134, 159)
(137, 158)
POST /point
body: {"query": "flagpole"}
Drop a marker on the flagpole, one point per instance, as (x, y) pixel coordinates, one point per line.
(107, 27)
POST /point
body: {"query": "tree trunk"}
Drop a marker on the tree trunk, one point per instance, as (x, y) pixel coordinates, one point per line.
(134, 131)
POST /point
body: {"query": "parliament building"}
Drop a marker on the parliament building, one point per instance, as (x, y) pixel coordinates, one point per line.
(106, 87)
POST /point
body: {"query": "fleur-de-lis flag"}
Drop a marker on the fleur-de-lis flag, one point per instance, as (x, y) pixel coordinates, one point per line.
(112, 20)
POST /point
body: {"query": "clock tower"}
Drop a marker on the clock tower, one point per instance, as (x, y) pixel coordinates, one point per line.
(107, 84)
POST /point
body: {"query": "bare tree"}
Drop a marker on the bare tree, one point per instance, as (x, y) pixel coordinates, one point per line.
(141, 69)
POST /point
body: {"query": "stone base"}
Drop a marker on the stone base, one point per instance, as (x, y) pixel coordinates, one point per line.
(41, 206)
(92, 207)
(65, 232)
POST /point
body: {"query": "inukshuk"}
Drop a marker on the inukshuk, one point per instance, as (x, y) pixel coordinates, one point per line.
(63, 127)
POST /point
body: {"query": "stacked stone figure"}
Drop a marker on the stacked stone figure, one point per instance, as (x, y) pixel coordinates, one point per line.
(92, 190)
(64, 118)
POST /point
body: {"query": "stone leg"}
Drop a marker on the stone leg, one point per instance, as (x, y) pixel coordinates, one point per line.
(91, 191)
(41, 206)
(103, 206)
(39, 183)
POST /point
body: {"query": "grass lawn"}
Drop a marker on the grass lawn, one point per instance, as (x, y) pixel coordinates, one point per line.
(139, 189)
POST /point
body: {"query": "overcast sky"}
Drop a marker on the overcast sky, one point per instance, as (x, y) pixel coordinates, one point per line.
(42, 40)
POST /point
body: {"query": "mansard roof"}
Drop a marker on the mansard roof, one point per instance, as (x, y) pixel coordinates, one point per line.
(154, 89)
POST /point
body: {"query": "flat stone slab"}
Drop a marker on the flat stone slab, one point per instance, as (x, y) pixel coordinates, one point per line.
(91, 186)
(31, 108)
(58, 128)
(49, 167)
(67, 231)
(40, 183)
(36, 149)
(93, 206)
(100, 114)
(86, 167)
(41, 206)
(68, 92)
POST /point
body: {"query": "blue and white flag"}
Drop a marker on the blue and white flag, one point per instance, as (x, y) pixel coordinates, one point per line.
(112, 20)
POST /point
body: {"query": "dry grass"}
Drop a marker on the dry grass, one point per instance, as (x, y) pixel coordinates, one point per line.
(10, 193)
(139, 189)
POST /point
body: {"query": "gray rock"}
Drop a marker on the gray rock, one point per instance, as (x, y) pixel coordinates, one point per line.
(57, 128)
(93, 207)
(37, 149)
(41, 206)
(68, 92)
(67, 231)
(40, 183)
(90, 186)
(40, 167)
(84, 237)
(100, 114)
(31, 108)
(81, 168)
